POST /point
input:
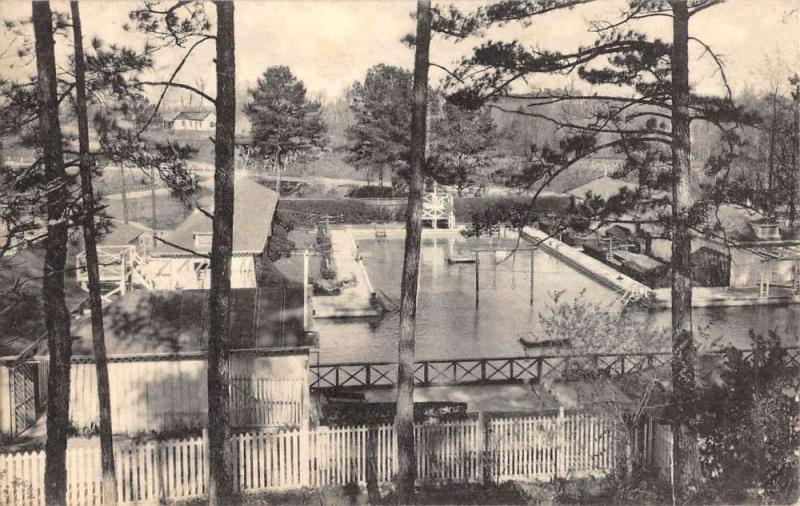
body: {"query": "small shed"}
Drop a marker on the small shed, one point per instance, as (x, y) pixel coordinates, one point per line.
(766, 263)
(194, 121)
(157, 343)
(180, 260)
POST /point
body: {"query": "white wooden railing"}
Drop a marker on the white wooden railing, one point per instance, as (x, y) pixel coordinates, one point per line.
(463, 451)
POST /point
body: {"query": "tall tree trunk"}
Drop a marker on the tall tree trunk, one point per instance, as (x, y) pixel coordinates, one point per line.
(773, 133)
(219, 417)
(59, 340)
(795, 158)
(404, 419)
(109, 483)
(685, 453)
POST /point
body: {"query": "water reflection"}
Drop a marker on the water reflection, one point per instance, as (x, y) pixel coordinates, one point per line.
(449, 325)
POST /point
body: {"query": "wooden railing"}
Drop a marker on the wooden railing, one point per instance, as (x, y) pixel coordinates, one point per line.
(497, 370)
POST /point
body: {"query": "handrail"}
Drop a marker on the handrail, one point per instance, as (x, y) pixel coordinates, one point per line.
(496, 369)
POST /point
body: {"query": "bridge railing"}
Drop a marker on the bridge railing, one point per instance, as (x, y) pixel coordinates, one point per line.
(498, 370)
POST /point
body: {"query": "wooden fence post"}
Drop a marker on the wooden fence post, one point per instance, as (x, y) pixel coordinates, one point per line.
(373, 492)
(561, 444)
(207, 461)
(159, 478)
(484, 450)
(304, 454)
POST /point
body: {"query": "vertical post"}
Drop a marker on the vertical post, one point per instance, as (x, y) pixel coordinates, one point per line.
(477, 278)
(561, 439)
(159, 478)
(373, 492)
(206, 460)
(532, 252)
(123, 271)
(124, 194)
(153, 202)
(6, 400)
(278, 171)
(484, 462)
(304, 454)
(436, 204)
(306, 322)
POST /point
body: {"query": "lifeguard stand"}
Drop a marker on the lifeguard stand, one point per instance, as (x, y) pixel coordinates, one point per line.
(438, 210)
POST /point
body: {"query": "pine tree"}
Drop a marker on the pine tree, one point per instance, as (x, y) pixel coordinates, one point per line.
(283, 119)
(379, 137)
(461, 142)
(59, 340)
(219, 416)
(647, 123)
(404, 418)
(109, 483)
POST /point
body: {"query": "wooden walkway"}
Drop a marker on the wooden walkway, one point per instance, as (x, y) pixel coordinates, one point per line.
(592, 267)
(355, 299)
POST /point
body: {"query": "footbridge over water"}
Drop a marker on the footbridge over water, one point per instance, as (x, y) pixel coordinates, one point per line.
(502, 370)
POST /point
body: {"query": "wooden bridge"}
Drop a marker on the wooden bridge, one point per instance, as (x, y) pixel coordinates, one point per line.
(483, 371)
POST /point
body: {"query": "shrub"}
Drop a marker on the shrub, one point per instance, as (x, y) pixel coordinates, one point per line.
(372, 192)
(307, 212)
(749, 426)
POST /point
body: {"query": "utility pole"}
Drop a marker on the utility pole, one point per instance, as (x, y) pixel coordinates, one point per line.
(153, 202)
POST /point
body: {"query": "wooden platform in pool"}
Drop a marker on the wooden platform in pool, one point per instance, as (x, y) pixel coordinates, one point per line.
(461, 258)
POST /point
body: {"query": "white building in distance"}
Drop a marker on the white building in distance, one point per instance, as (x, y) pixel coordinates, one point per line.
(194, 121)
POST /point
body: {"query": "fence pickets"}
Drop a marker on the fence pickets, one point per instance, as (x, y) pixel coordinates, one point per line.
(453, 452)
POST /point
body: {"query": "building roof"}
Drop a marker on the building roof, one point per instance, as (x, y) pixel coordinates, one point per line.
(773, 250)
(193, 115)
(603, 186)
(254, 207)
(120, 234)
(156, 322)
(171, 116)
(22, 310)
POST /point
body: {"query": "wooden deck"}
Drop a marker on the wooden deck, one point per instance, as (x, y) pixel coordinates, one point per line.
(354, 300)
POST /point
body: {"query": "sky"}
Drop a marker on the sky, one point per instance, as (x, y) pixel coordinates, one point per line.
(329, 44)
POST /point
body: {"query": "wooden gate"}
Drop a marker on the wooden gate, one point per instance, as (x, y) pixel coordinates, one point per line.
(28, 392)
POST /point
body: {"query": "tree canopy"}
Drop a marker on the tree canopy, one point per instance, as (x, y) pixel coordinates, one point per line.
(379, 137)
(284, 119)
(461, 143)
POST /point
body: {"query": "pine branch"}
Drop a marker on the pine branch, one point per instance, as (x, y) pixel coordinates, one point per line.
(182, 248)
(171, 84)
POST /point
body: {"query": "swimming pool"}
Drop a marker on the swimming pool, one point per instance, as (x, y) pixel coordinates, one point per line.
(450, 326)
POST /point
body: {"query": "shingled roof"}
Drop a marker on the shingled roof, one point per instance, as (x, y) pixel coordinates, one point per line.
(254, 207)
(144, 322)
(193, 115)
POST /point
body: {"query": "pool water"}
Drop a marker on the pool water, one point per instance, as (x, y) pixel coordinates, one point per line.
(450, 326)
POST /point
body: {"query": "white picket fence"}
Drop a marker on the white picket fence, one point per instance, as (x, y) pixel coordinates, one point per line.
(467, 451)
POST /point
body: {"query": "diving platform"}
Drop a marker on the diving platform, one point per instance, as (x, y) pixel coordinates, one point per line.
(438, 208)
